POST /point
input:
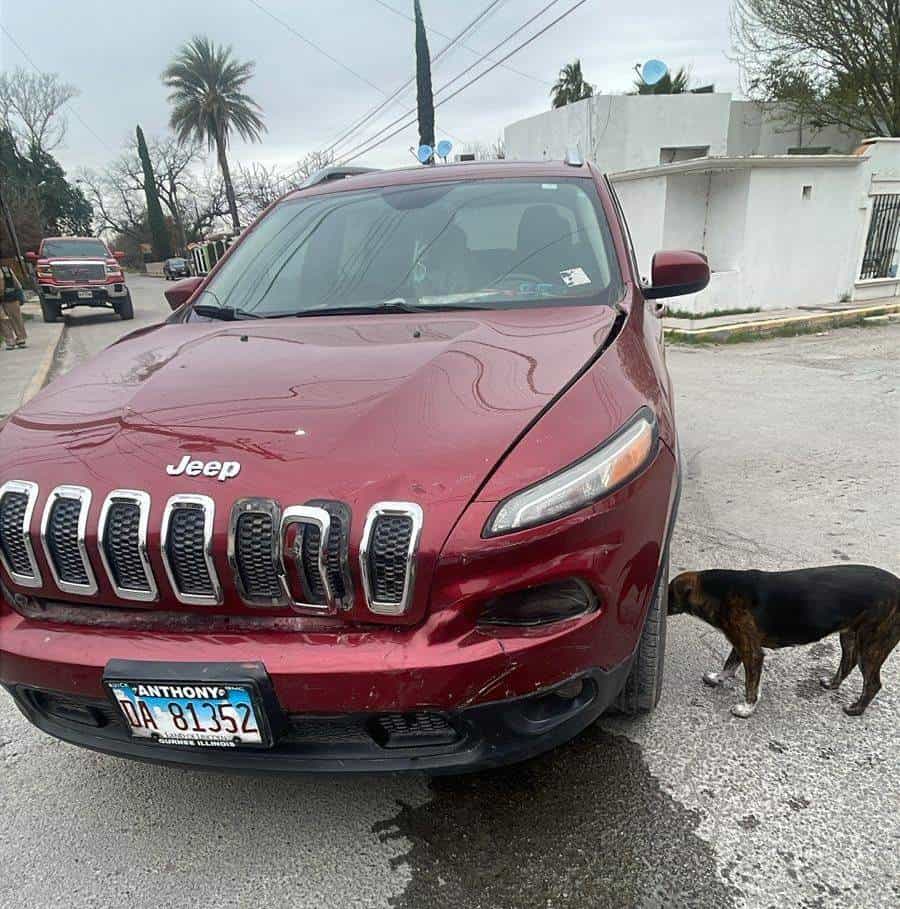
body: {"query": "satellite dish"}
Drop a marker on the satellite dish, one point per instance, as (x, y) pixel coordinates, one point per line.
(425, 154)
(444, 147)
(653, 71)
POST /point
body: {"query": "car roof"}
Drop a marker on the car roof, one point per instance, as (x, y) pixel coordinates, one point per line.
(438, 173)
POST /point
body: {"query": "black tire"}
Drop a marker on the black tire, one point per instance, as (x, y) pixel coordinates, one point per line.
(50, 311)
(644, 684)
(124, 307)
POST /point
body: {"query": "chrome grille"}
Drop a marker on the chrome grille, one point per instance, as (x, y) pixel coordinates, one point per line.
(186, 549)
(63, 532)
(78, 272)
(122, 540)
(17, 500)
(387, 555)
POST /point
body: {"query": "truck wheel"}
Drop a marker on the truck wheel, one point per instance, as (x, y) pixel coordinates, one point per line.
(50, 310)
(644, 684)
(124, 307)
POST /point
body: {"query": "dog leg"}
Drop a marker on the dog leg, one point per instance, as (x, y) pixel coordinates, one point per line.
(714, 679)
(753, 664)
(871, 656)
(849, 656)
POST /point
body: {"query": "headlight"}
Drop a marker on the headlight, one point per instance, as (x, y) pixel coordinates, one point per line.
(605, 469)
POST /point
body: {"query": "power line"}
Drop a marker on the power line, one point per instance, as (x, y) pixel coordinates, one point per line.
(471, 50)
(315, 46)
(468, 69)
(474, 79)
(40, 72)
(379, 107)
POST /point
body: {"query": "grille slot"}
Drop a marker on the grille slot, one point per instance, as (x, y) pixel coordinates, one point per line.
(63, 535)
(387, 555)
(122, 540)
(17, 500)
(255, 556)
(186, 549)
(335, 558)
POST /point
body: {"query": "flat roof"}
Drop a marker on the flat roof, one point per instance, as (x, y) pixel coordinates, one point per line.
(712, 164)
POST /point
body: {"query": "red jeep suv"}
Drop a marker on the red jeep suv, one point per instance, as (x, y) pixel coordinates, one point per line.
(79, 271)
(392, 488)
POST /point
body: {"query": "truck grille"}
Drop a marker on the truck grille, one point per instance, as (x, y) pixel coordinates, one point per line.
(387, 556)
(63, 536)
(122, 540)
(312, 575)
(79, 273)
(12, 539)
(186, 546)
(255, 556)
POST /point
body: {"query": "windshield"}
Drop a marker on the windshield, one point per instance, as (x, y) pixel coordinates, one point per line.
(488, 243)
(75, 249)
(176, 261)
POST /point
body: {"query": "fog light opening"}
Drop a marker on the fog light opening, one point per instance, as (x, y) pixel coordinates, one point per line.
(541, 605)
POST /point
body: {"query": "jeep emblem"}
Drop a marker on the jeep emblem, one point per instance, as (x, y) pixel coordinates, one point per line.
(221, 470)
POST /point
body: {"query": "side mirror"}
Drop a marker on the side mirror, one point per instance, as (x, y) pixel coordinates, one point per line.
(118, 254)
(31, 256)
(181, 291)
(676, 272)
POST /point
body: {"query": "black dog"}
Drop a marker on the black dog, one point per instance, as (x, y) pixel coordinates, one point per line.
(756, 609)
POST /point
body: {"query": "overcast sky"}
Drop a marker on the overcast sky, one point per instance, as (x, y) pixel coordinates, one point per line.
(114, 52)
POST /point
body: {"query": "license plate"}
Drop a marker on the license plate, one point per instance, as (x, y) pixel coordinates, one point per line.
(193, 714)
(85, 295)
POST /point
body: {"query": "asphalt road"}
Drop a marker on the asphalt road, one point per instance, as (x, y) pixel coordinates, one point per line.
(792, 455)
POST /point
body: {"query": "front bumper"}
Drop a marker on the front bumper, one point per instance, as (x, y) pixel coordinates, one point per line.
(74, 295)
(476, 738)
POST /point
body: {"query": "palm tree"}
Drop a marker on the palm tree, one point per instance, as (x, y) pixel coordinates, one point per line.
(668, 85)
(209, 104)
(570, 86)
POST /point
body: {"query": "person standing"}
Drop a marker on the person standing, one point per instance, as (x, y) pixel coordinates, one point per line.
(13, 326)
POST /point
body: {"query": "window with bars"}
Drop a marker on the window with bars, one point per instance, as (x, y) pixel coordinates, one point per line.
(880, 257)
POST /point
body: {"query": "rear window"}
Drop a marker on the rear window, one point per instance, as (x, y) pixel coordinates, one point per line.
(88, 249)
(491, 243)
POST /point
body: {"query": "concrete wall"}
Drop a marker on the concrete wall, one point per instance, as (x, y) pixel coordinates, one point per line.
(621, 132)
(625, 132)
(777, 235)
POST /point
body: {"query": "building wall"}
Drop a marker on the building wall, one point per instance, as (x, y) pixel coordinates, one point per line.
(620, 132)
(626, 132)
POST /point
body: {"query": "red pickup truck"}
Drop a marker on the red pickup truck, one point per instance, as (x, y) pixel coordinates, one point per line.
(79, 271)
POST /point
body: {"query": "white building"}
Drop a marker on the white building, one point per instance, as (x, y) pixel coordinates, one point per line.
(625, 132)
(781, 229)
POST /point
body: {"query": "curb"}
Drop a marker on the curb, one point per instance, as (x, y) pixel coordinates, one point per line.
(39, 379)
(761, 328)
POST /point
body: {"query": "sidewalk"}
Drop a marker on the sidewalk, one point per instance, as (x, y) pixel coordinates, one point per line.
(24, 372)
(749, 326)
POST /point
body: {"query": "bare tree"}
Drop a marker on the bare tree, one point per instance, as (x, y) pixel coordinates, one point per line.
(831, 62)
(31, 108)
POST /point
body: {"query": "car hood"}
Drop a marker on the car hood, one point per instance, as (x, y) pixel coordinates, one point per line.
(365, 409)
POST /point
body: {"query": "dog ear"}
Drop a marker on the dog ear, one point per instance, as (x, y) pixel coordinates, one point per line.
(686, 585)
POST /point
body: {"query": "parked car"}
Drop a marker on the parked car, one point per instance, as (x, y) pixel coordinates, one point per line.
(392, 488)
(176, 268)
(79, 271)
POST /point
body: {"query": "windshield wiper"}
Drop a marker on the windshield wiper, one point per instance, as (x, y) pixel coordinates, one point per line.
(225, 313)
(389, 306)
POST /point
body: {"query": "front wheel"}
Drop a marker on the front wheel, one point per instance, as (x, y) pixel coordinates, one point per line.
(644, 684)
(49, 310)
(124, 307)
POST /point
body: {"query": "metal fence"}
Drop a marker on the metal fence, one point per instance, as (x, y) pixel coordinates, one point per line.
(881, 242)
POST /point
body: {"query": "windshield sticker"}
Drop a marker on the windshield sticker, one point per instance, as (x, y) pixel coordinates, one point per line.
(548, 186)
(574, 277)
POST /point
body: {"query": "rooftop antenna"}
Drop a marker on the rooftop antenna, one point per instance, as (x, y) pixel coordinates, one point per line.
(444, 147)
